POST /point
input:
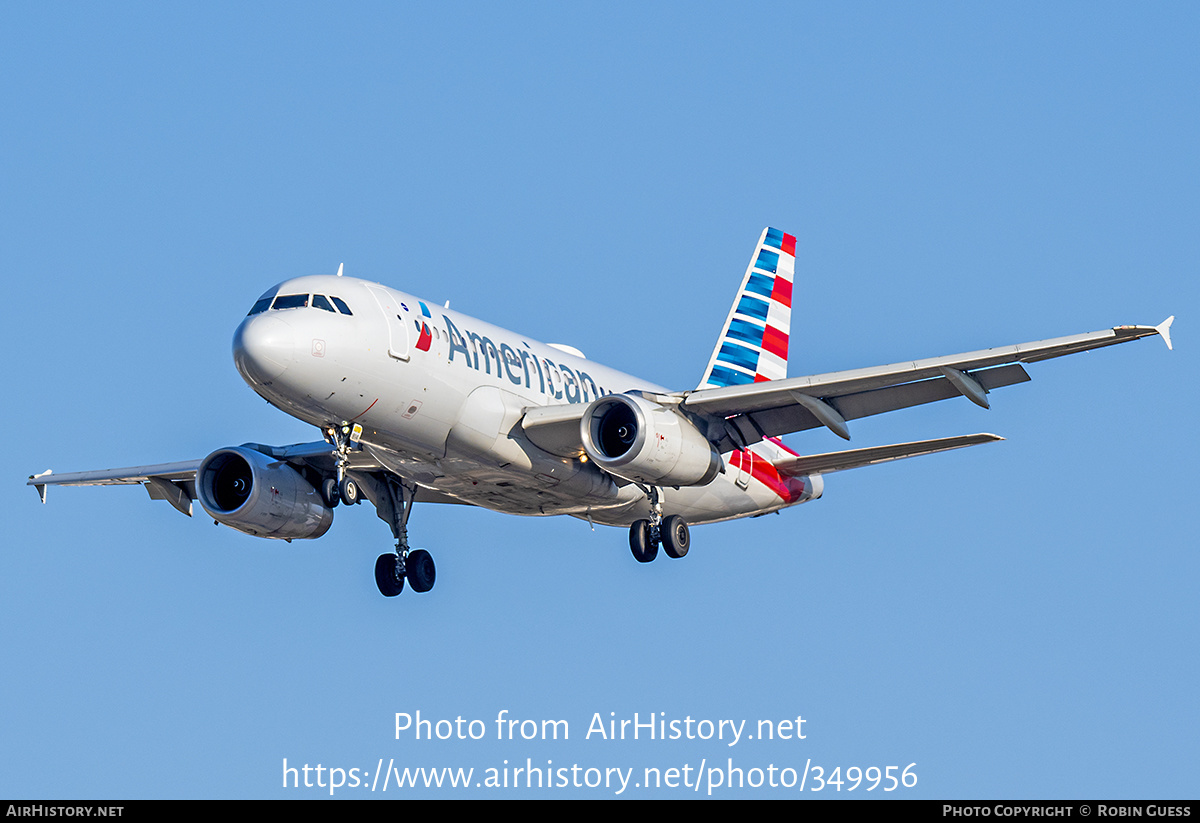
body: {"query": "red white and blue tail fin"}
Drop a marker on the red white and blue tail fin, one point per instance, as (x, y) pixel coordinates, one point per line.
(753, 346)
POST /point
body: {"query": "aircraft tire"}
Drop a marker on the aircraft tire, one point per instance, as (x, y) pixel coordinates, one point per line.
(348, 490)
(329, 492)
(644, 550)
(420, 570)
(676, 538)
(390, 584)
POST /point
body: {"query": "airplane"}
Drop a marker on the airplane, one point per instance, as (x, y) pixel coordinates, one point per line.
(420, 404)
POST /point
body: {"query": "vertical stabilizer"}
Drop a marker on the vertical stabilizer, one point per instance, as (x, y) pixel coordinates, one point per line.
(753, 346)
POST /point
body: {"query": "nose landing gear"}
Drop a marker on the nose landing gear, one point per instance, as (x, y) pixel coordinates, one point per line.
(342, 488)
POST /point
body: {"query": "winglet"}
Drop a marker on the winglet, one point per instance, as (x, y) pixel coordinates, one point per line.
(1164, 331)
(41, 487)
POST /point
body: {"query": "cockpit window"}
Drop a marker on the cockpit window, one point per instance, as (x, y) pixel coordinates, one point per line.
(290, 301)
(300, 301)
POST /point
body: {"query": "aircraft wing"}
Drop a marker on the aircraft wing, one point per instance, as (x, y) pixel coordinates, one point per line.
(176, 482)
(752, 411)
(856, 458)
(173, 482)
(741, 415)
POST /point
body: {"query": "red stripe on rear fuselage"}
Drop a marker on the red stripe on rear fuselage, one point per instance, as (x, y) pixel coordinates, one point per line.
(787, 489)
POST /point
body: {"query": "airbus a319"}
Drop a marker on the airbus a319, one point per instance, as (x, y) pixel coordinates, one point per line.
(420, 404)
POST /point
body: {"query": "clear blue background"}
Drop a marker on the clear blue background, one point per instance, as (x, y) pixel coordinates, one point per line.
(1018, 619)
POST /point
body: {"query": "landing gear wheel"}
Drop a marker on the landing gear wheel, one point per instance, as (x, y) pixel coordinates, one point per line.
(348, 490)
(675, 537)
(420, 570)
(330, 493)
(387, 575)
(643, 548)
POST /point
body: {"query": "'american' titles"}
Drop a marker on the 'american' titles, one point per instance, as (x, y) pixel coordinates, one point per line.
(553, 379)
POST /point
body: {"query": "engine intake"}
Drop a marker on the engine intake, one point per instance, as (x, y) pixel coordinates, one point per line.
(640, 440)
(259, 495)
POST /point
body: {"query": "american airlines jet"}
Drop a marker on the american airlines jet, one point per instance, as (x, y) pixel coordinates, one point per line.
(421, 404)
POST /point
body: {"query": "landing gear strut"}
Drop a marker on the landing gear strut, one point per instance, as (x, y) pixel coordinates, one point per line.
(645, 535)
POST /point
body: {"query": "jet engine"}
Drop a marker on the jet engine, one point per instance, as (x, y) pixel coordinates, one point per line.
(259, 495)
(643, 441)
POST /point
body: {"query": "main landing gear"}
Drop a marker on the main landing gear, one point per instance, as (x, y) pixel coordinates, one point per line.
(391, 570)
(672, 532)
(393, 500)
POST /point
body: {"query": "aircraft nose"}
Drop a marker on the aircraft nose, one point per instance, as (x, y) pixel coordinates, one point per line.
(263, 348)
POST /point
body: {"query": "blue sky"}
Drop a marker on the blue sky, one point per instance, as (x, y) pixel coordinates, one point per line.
(1017, 619)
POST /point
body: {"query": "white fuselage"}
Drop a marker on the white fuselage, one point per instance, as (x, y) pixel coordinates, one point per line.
(439, 396)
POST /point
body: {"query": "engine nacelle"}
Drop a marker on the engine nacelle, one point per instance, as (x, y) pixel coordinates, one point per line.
(259, 495)
(640, 440)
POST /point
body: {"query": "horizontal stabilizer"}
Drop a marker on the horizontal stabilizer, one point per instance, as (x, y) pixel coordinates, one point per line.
(854, 458)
